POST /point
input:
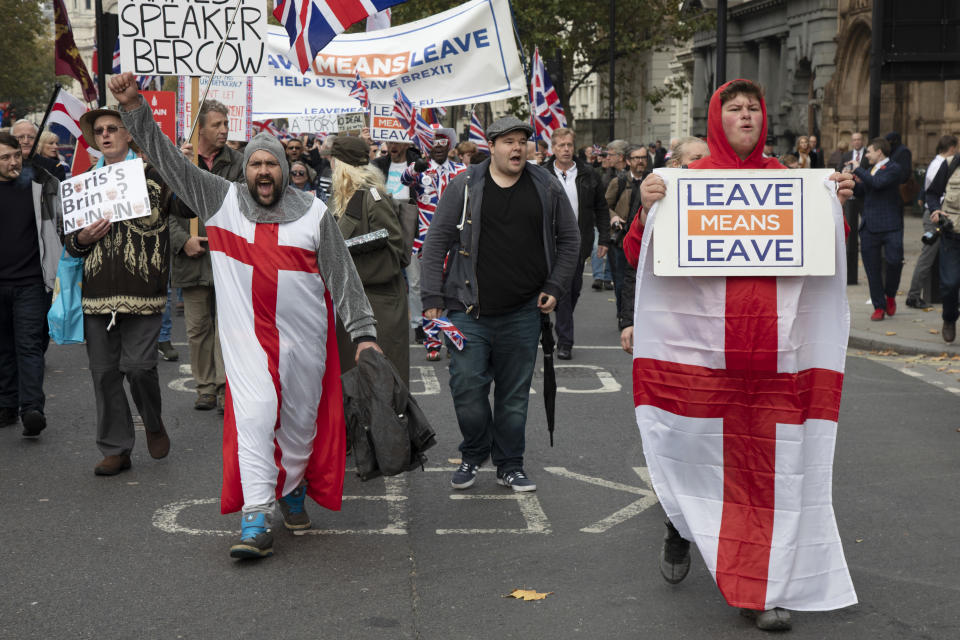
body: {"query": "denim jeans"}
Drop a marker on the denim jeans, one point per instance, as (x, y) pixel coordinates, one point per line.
(23, 312)
(501, 350)
(166, 323)
(599, 266)
(950, 276)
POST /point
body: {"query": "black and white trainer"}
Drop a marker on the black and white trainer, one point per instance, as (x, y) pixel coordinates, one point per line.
(464, 476)
(516, 480)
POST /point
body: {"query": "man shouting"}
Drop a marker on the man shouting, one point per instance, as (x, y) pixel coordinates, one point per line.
(280, 268)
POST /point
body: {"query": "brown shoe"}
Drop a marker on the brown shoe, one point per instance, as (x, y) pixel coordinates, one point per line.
(158, 443)
(949, 331)
(205, 402)
(112, 465)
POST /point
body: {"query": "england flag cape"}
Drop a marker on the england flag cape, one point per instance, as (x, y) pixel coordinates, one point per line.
(737, 385)
(283, 420)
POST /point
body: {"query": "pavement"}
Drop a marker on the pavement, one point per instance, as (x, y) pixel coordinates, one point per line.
(910, 331)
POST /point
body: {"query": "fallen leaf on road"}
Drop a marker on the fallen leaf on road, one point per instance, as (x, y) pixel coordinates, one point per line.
(453, 460)
(953, 370)
(927, 309)
(891, 333)
(934, 331)
(859, 540)
(887, 352)
(941, 368)
(527, 594)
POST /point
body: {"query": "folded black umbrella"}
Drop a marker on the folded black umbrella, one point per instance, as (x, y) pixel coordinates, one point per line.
(549, 375)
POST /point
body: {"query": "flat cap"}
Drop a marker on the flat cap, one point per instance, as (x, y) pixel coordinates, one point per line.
(506, 124)
(351, 149)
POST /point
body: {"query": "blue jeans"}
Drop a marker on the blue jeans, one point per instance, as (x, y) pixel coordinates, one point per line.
(599, 266)
(950, 277)
(501, 350)
(23, 312)
(166, 324)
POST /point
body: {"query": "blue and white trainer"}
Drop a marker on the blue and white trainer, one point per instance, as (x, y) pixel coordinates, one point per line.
(516, 480)
(256, 537)
(464, 476)
(295, 516)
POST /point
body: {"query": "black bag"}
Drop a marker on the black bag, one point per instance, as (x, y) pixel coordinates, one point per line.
(385, 425)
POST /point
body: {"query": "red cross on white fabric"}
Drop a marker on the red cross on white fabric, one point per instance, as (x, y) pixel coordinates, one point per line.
(752, 398)
(268, 258)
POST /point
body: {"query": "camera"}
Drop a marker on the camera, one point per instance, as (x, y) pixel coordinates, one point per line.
(946, 224)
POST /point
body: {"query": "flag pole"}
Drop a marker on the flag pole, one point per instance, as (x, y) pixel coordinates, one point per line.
(196, 112)
(523, 55)
(43, 123)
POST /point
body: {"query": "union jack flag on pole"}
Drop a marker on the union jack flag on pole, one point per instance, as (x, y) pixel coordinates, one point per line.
(477, 134)
(312, 24)
(423, 134)
(404, 111)
(359, 92)
(548, 114)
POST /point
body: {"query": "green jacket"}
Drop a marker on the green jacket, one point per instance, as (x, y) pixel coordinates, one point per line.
(197, 272)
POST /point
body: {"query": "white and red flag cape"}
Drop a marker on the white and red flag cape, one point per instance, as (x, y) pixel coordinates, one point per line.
(737, 385)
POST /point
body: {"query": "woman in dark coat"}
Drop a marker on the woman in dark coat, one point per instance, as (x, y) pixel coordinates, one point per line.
(361, 204)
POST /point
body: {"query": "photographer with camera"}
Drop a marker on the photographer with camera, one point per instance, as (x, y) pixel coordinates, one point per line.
(623, 198)
(943, 201)
(881, 227)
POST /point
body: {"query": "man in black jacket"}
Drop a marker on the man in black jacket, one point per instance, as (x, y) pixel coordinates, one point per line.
(513, 243)
(586, 195)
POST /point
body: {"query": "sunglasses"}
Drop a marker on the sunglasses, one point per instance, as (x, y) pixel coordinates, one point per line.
(110, 128)
(441, 142)
(638, 157)
(298, 172)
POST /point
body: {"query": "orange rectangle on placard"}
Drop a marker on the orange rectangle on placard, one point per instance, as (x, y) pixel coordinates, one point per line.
(740, 222)
(381, 122)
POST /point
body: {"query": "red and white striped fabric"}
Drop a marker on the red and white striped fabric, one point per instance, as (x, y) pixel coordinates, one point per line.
(66, 111)
(737, 387)
(477, 135)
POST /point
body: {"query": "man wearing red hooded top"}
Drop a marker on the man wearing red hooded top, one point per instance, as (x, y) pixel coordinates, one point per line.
(737, 395)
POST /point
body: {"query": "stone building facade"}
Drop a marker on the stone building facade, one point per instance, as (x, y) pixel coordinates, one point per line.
(920, 111)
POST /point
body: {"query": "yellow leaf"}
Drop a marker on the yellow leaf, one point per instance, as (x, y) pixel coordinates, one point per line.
(927, 309)
(527, 594)
(859, 540)
(891, 333)
(453, 460)
(941, 368)
(934, 331)
(953, 370)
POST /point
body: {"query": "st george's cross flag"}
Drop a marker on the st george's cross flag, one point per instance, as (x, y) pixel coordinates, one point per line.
(737, 384)
(66, 111)
(312, 24)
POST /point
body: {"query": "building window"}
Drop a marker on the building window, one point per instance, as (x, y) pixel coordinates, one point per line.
(87, 4)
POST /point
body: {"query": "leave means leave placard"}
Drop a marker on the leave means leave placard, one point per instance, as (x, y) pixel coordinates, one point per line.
(117, 192)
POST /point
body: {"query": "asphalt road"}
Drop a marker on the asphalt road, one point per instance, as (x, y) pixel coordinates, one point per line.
(144, 554)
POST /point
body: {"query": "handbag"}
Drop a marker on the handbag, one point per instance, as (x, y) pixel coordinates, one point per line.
(66, 313)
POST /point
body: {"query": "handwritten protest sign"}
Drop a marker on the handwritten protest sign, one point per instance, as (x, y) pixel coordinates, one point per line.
(181, 37)
(319, 123)
(117, 191)
(234, 92)
(351, 121)
(461, 56)
(745, 222)
(384, 127)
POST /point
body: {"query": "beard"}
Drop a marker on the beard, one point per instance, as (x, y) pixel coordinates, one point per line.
(276, 192)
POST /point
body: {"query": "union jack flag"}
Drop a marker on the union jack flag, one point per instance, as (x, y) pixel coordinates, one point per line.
(548, 114)
(404, 111)
(423, 134)
(433, 328)
(116, 58)
(477, 135)
(267, 126)
(359, 92)
(312, 24)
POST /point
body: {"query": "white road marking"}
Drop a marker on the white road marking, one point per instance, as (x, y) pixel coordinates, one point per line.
(427, 376)
(530, 509)
(180, 384)
(648, 500)
(911, 372)
(607, 382)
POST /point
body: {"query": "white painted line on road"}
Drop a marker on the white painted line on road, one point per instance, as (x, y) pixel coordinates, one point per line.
(530, 509)
(911, 372)
(427, 376)
(622, 515)
(165, 518)
(953, 390)
(607, 382)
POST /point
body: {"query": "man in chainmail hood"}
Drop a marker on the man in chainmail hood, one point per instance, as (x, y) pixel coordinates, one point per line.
(280, 268)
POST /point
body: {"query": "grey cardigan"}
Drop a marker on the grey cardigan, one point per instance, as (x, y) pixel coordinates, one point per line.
(457, 230)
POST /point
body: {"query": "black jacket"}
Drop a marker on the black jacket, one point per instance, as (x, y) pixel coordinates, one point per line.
(385, 425)
(383, 162)
(592, 213)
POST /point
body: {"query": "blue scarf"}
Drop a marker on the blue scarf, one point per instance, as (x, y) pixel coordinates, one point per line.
(102, 161)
